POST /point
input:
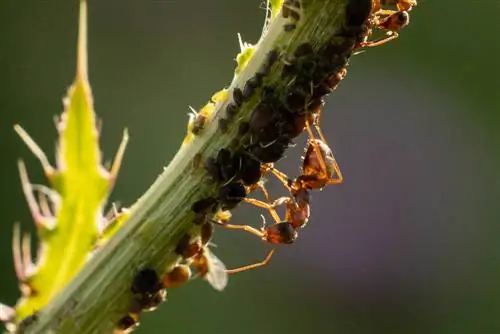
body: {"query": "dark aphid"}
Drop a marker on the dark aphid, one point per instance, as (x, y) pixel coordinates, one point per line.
(303, 50)
(148, 302)
(357, 12)
(213, 169)
(204, 205)
(289, 70)
(270, 152)
(271, 58)
(186, 248)
(199, 218)
(207, 230)
(250, 172)
(27, 322)
(294, 125)
(228, 168)
(256, 80)
(223, 125)
(243, 128)
(231, 110)
(177, 277)
(231, 194)
(295, 100)
(268, 95)
(128, 323)
(249, 89)
(146, 281)
(289, 27)
(237, 96)
(262, 117)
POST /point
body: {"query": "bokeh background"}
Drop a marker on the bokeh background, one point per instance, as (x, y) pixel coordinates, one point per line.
(410, 243)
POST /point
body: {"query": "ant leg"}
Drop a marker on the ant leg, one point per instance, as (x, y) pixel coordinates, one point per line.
(252, 266)
(259, 185)
(369, 44)
(385, 12)
(282, 177)
(321, 160)
(264, 205)
(246, 228)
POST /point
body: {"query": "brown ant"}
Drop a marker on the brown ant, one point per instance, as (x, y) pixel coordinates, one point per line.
(317, 169)
(389, 20)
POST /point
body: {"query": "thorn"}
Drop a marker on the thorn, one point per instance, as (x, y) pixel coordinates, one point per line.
(115, 168)
(36, 150)
(28, 265)
(82, 61)
(240, 41)
(98, 125)
(16, 253)
(7, 313)
(45, 207)
(28, 193)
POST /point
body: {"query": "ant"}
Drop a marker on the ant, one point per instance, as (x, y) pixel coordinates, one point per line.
(390, 20)
(317, 169)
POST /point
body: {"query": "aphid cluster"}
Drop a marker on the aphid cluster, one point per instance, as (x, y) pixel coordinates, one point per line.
(149, 290)
(283, 112)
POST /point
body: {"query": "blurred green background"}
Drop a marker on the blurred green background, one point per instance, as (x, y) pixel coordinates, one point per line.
(408, 244)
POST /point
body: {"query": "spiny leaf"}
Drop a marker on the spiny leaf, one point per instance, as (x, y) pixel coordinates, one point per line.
(68, 218)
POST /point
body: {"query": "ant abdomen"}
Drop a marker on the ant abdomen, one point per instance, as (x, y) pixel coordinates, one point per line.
(281, 233)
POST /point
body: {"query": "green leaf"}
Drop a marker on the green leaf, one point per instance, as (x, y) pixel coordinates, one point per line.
(69, 217)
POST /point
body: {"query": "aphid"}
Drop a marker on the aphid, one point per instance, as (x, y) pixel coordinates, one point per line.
(243, 128)
(146, 281)
(148, 302)
(231, 110)
(249, 169)
(231, 194)
(127, 324)
(204, 205)
(271, 59)
(148, 291)
(237, 96)
(248, 89)
(289, 27)
(198, 119)
(207, 230)
(358, 11)
(187, 248)
(223, 125)
(213, 169)
(210, 268)
(262, 122)
(26, 323)
(227, 165)
(270, 152)
(177, 277)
